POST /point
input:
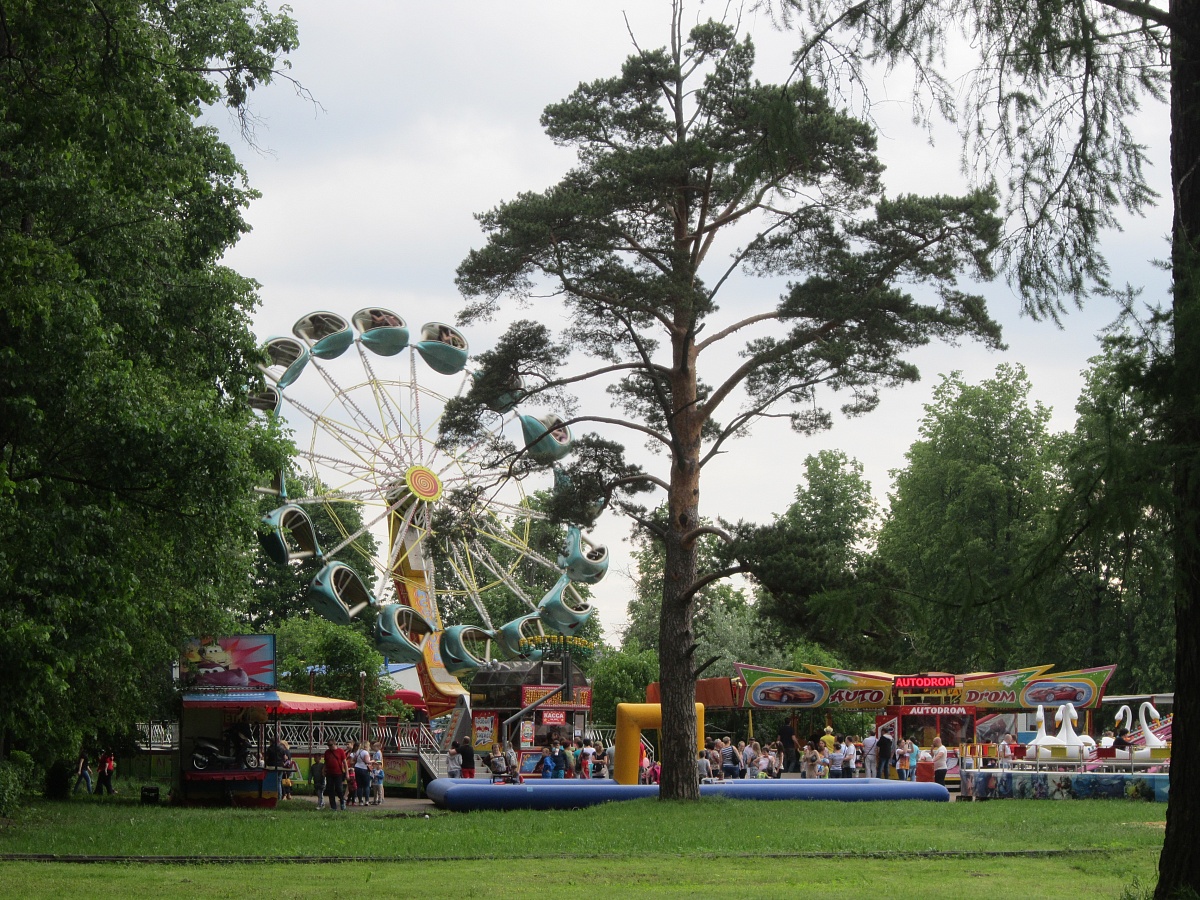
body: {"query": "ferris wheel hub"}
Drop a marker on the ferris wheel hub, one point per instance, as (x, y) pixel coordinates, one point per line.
(423, 483)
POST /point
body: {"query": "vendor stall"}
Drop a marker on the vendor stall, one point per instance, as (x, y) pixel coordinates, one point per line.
(222, 739)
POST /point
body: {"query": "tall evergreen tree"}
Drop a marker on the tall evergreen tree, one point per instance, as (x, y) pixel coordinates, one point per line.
(682, 151)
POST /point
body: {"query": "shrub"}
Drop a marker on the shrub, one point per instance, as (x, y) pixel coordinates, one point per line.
(15, 777)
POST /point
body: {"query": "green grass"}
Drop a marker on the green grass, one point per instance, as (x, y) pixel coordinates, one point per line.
(642, 848)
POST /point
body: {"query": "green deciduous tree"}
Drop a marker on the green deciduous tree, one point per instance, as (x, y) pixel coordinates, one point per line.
(1053, 99)
(127, 454)
(820, 579)
(1106, 561)
(318, 655)
(964, 517)
(679, 154)
(620, 676)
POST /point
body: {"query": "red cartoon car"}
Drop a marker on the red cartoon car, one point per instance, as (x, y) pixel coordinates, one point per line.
(1057, 694)
(780, 693)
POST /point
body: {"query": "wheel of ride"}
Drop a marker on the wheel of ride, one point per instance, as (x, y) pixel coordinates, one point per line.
(452, 526)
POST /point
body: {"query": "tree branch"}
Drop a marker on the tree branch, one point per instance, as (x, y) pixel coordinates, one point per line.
(736, 326)
(708, 579)
(756, 361)
(1143, 11)
(707, 529)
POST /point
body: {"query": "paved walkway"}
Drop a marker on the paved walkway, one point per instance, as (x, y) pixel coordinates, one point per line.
(415, 805)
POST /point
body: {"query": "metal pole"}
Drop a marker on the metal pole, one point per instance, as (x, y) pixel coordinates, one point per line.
(362, 713)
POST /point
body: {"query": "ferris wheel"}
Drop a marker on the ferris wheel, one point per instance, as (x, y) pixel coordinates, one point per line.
(365, 396)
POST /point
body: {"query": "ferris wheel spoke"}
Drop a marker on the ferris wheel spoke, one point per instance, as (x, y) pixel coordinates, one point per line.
(344, 436)
(466, 576)
(488, 562)
(345, 399)
(350, 468)
(353, 536)
(387, 410)
(518, 512)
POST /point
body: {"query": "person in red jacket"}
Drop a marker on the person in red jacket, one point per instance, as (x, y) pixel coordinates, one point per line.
(335, 774)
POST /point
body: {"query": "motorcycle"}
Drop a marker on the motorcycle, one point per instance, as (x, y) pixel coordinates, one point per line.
(209, 754)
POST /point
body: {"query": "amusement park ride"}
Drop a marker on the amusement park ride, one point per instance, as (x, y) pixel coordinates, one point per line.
(457, 522)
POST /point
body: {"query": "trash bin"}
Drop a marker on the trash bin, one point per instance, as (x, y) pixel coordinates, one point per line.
(925, 770)
(149, 794)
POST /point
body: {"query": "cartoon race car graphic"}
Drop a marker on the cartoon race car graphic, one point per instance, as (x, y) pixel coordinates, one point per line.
(785, 693)
(1060, 693)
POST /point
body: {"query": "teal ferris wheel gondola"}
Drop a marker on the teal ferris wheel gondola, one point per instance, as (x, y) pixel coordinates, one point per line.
(443, 347)
(338, 594)
(546, 437)
(457, 656)
(268, 401)
(506, 401)
(401, 632)
(510, 635)
(582, 561)
(558, 614)
(327, 334)
(289, 357)
(289, 535)
(381, 331)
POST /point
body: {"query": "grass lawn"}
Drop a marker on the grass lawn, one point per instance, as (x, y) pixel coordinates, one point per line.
(642, 848)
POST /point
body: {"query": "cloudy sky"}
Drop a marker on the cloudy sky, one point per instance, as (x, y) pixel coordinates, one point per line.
(424, 114)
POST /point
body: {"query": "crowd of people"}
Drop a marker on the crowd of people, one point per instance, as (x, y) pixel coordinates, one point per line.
(348, 776)
(353, 775)
(558, 759)
(828, 755)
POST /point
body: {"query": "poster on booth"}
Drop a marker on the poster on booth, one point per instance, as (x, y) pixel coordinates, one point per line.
(400, 772)
(819, 686)
(1037, 686)
(526, 733)
(484, 728)
(237, 661)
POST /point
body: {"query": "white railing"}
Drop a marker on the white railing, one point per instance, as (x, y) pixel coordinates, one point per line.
(158, 735)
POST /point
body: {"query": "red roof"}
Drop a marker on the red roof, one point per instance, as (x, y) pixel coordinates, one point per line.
(409, 698)
(271, 701)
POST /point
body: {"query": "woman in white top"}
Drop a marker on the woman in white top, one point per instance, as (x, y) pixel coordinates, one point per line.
(940, 762)
(1005, 752)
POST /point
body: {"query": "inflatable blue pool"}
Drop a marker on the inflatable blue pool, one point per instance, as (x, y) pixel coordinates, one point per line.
(464, 794)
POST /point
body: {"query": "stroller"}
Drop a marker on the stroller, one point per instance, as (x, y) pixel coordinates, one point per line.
(499, 770)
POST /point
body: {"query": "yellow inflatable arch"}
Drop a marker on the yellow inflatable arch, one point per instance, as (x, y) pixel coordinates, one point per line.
(632, 720)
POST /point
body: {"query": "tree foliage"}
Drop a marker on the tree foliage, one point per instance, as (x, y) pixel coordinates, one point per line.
(819, 578)
(1054, 91)
(964, 517)
(682, 153)
(316, 655)
(620, 676)
(127, 454)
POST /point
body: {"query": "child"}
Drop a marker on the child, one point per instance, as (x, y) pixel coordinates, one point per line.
(316, 773)
(377, 783)
(351, 786)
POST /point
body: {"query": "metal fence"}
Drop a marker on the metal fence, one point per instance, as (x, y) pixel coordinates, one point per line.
(158, 735)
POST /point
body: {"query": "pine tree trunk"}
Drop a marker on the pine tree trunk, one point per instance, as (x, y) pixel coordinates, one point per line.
(677, 681)
(1179, 865)
(677, 664)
